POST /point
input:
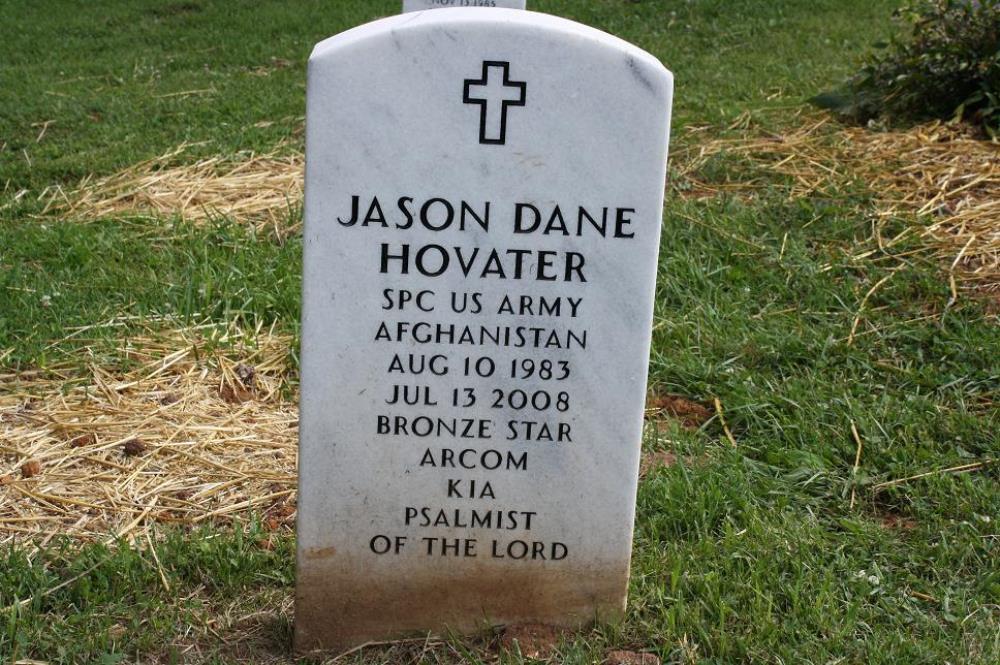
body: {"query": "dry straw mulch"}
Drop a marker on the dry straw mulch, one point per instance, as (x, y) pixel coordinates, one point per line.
(940, 174)
(198, 430)
(264, 189)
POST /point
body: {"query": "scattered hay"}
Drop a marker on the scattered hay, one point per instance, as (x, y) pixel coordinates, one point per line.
(939, 172)
(263, 189)
(119, 452)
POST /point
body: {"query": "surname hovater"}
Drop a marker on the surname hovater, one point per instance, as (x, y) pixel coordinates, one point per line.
(494, 93)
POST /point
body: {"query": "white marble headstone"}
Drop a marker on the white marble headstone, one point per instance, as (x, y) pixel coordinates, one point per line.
(420, 5)
(484, 192)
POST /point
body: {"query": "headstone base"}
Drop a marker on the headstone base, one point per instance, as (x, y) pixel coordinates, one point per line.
(335, 616)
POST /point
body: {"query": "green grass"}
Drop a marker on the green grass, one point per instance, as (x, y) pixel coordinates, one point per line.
(56, 276)
(120, 82)
(122, 602)
(746, 554)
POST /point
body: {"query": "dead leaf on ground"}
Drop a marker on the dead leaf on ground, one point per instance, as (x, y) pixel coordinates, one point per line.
(31, 468)
(281, 514)
(246, 373)
(170, 398)
(534, 640)
(235, 394)
(134, 448)
(82, 440)
(689, 413)
(6, 480)
(895, 521)
(657, 459)
(632, 658)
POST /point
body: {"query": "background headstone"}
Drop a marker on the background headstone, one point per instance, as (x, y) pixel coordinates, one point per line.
(484, 194)
(418, 5)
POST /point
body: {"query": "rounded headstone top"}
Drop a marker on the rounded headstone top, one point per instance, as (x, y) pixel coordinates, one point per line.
(511, 21)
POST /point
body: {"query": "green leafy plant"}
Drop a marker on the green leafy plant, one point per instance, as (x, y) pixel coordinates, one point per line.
(947, 65)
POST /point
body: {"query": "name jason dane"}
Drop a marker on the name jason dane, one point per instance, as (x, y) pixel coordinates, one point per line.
(439, 214)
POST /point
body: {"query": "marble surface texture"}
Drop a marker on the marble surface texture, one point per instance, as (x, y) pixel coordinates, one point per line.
(484, 191)
(420, 5)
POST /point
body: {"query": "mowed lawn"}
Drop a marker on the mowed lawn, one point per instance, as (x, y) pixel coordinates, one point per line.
(763, 537)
